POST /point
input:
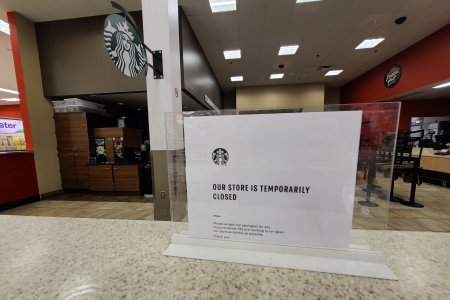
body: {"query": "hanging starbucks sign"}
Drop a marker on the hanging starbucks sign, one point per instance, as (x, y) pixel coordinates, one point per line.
(124, 45)
(392, 76)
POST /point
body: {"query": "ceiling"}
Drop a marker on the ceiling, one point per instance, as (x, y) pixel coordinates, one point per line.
(326, 31)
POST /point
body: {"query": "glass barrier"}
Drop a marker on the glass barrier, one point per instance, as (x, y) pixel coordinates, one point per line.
(337, 159)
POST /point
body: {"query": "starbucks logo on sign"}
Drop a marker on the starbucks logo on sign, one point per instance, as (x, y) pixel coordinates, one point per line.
(220, 156)
(124, 45)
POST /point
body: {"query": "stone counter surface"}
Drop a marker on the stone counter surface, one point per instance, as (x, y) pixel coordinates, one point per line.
(64, 258)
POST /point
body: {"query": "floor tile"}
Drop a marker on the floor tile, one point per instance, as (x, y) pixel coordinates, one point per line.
(434, 225)
(406, 224)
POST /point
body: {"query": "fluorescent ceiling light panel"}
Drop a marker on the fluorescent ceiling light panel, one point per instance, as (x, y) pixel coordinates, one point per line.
(237, 78)
(442, 85)
(276, 76)
(9, 91)
(4, 27)
(369, 43)
(10, 99)
(333, 72)
(288, 50)
(232, 54)
(306, 1)
(222, 5)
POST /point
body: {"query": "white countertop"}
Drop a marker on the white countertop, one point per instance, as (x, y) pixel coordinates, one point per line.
(66, 258)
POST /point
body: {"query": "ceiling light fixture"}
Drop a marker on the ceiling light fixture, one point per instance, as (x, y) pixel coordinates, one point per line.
(442, 85)
(288, 50)
(237, 78)
(333, 72)
(222, 5)
(276, 76)
(120, 103)
(11, 99)
(306, 1)
(369, 43)
(232, 54)
(4, 27)
(9, 91)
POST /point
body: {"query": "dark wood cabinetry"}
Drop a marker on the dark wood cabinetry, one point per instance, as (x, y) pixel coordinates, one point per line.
(101, 178)
(119, 178)
(126, 178)
(75, 135)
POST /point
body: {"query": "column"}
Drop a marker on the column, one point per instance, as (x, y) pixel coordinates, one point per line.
(161, 32)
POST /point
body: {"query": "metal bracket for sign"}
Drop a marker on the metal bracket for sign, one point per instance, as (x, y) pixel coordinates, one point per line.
(157, 65)
(157, 55)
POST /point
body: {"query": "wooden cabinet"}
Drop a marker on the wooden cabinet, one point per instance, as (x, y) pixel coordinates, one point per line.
(109, 178)
(126, 178)
(101, 178)
(74, 133)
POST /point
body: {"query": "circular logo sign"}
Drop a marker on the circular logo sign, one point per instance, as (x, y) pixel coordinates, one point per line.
(124, 45)
(392, 76)
(220, 156)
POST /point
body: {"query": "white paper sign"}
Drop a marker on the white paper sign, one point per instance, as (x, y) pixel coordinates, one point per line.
(276, 178)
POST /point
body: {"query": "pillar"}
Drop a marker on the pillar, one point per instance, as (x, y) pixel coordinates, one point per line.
(161, 32)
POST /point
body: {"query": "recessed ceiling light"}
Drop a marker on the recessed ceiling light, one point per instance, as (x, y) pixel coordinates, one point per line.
(139, 109)
(10, 99)
(9, 91)
(276, 76)
(442, 85)
(288, 50)
(232, 54)
(120, 103)
(333, 72)
(306, 1)
(237, 78)
(369, 43)
(222, 5)
(4, 27)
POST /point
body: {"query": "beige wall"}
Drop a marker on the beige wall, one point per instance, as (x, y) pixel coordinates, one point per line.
(40, 110)
(281, 96)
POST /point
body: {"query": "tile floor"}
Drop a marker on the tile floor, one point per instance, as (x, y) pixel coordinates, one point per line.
(89, 206)
(435, 216)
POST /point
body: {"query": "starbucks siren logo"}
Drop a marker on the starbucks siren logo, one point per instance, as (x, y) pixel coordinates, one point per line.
(220, 156)
(124, 45)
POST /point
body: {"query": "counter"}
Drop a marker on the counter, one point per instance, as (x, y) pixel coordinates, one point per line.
(65, 258)
(18, 181)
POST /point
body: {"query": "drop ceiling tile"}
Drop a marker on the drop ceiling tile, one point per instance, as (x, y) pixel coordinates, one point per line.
(250, 23)
(227, 25)
(204, 27)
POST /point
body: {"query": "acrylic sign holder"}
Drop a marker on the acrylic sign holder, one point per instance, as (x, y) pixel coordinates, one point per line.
(363, 257)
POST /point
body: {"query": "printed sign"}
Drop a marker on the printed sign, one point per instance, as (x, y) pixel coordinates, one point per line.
(12, 135)
(118, 148)
(100, 150)
(124, 45)
(276, 178)
(392, 76)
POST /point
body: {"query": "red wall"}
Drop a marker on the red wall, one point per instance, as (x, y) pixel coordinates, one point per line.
(18, 177)
(10, 111)
(422, 108)
(20, 78)
(424, 63)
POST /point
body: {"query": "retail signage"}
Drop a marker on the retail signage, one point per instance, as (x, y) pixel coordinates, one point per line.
(392, 76)
(12, 135)
(124, 45)
(275, 178)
